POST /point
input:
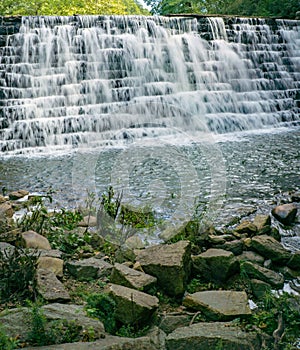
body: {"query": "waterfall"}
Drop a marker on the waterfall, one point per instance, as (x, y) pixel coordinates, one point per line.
(66, 81)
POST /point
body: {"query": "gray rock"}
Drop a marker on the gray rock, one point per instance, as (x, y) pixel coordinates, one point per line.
(131, 278)
(7, 249)
(258, 272)
(271, 249)
(170, 322)
(31, 239)
(108, 343)
(50, 288)
(236, 246)
(252, 257)
(259, 288)
(169, 263)
(219, 305)
(17, 194)
(285, 213)
(209, 336)
(16, 322)
(132, 306)
(3, 199)
(88, 269)
(215, 264)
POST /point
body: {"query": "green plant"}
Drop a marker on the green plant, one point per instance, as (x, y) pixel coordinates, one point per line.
(279, 317)
(7, 343)
(42, 332)
(103, 307)
(17, 275)
(129, 331)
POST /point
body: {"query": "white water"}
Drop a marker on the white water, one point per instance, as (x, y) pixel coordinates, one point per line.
(93, 80)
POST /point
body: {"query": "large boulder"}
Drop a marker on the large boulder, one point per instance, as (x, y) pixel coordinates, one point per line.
(31, 239)
(50, 288)
(209, 336)
(215, 264)
(132, 306)
(271, 249)
(125, 276)
(13, 320)
(169, 263)
(219, 305)
(88, 269)
(255, 271)
(285, 213)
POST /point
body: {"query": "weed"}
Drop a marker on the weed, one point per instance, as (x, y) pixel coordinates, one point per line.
(101, 306)
(7, 343)
(17, 275)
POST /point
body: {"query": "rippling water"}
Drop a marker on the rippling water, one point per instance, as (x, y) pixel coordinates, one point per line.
(232, 171)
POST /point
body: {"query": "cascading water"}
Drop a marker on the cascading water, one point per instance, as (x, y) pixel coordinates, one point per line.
(66, 81)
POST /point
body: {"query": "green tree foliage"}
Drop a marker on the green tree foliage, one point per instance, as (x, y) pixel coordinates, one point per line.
(263, 8)
(66, 8)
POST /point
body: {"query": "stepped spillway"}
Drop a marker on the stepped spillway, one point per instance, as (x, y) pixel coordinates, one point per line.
(67, 81)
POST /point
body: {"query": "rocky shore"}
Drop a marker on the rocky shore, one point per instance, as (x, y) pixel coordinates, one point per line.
(209, 289)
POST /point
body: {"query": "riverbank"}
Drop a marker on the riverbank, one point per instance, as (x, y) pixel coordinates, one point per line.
(79, 280)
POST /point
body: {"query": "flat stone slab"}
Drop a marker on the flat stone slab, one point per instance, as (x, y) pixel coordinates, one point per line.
(32, 239)
(50, 288)
(219, 305)
(88, 269)
(125, 276)
(209, 336)
(169, 263)
(132, 306)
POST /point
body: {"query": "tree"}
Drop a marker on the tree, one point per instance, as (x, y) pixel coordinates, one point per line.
(63, 8)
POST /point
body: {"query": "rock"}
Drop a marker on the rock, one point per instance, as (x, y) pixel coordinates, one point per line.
(131, 278)
(294, 262)
(71, 312)
(88, 269)
(219, 305)
(110, 342)
(258, 272)
(169, 263)
(88, 221)
(134, 242)
(50, 288)
(236, 246)
(125, 253)
(259, 288)
(252, 257)
(246, 227)
(31, 239)
(132, 306)
(285, 213)
(7, 234)
(54, 265)
(6, 210)
(13, 320)
(262, 223)
(296, 195)
(271, 249)
(289, 273)
(221, 239)
(6, 249)
(209, 336)
(215, 264)
(2, 199)
(17, 194)
(170, 322)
